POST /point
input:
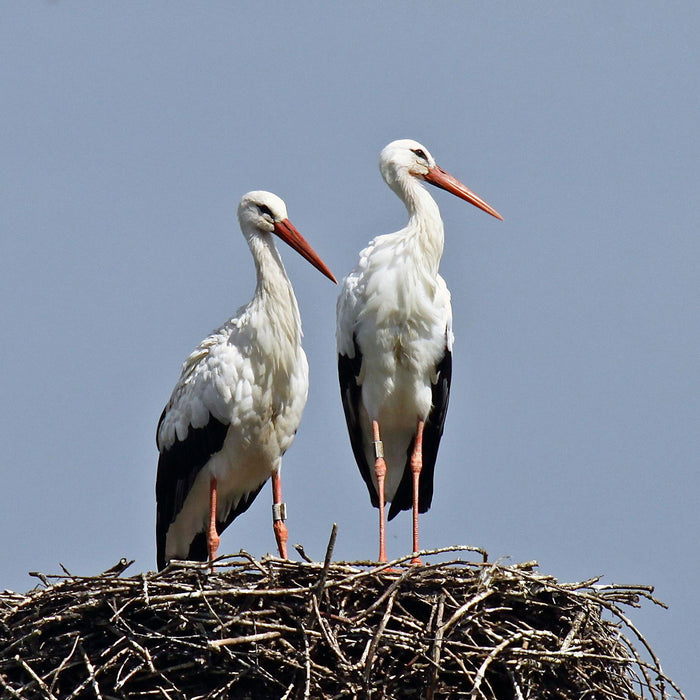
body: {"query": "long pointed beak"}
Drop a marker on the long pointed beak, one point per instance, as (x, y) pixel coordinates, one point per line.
(438, 177)
(288, 233)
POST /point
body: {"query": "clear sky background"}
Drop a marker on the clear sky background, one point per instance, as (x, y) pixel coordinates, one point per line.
(129, 132)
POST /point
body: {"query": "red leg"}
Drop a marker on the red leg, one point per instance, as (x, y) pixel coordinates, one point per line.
(416, 467)
(380, 471)
(279, 515)
(212, 534)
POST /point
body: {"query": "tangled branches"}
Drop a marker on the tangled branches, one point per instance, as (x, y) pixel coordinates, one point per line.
(283, 629)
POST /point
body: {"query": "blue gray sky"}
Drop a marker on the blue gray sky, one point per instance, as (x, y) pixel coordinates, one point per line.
(129, 132)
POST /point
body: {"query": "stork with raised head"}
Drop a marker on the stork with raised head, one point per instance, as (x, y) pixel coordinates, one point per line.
(237, 404)
(394, 340)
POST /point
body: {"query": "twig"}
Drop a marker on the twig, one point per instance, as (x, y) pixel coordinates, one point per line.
(481, 673)
(303, 554)
(437, 646)
(249, 639)
(35, 677)
(327, 561)
(91, 672)
(369, 653)
(63, 663)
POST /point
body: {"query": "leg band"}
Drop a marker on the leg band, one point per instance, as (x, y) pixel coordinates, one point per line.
(279, 511)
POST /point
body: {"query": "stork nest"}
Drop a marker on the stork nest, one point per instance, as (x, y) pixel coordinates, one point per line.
(280, 629)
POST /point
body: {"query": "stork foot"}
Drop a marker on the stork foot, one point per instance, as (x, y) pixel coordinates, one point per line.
(281, 535)
(213, 547)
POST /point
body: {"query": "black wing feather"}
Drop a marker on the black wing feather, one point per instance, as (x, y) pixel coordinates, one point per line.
(198, 547)
(351, 394)
(432, 432)
(178, 467)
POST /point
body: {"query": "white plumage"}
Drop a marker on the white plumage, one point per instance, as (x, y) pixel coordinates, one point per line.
(238, 402)
(394, 341)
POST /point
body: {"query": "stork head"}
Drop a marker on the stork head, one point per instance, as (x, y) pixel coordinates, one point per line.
(405, 158)
(402, 158)
(259, 210)
(262, 212)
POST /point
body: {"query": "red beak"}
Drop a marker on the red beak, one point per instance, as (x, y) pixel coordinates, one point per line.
(438, 177)
(287, 232)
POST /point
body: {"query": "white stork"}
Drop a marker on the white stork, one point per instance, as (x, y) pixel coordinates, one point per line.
(394, 340)
(238, 402)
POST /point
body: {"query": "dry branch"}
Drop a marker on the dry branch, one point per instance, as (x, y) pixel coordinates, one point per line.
(283, 629)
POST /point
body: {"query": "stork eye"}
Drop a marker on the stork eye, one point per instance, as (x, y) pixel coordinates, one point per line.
(265, 210)
(420, 153)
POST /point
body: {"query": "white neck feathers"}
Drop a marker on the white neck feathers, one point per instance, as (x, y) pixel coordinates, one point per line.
(425, 230)
(274, 297)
